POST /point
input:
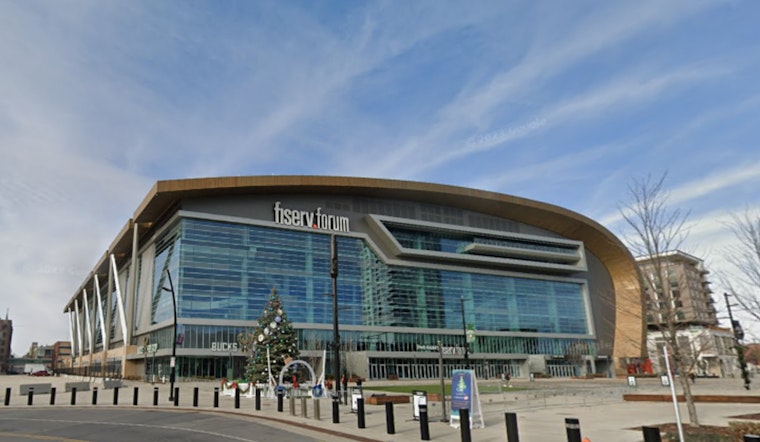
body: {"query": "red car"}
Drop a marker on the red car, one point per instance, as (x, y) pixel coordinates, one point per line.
(41, 373)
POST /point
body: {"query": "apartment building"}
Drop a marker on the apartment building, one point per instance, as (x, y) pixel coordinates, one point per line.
(678, 295)
(688, 299)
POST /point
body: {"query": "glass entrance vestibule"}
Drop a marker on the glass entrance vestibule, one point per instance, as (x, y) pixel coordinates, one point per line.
(196, 367)
(403, 368)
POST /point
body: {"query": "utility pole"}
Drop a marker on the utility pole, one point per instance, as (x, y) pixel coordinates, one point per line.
(738, 336)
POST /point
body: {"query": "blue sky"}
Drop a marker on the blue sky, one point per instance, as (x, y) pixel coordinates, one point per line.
(561, 102)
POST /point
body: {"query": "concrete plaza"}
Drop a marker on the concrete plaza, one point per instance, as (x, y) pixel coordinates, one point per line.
(541, 408)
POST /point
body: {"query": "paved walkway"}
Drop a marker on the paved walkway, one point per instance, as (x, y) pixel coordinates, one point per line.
(541, 410)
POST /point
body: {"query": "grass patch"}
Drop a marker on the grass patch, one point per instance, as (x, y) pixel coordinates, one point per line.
(408, 389)
(436, 388)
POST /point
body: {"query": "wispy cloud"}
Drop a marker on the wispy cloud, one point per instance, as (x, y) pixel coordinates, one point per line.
(440, 143)
(718, 180)
(569, 166)
(617, 97)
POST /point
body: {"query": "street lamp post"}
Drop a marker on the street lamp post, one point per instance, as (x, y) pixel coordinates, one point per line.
(336, 334)
(231, 369)
(173, 361)
(443, 388)
(466, 344)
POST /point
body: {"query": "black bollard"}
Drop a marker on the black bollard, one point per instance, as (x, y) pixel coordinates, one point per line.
(651, 434)
(74, 396)
(52, 396)
(751, 437)
(155, 396)
(573, 429)
(237, 397)
(464, 425)
(94, 395)
(280, 394)
(424, 429)
(176, 396)
(216, 397)
(134, 396)
(195, 397)
(390, 424)
(360, 412)
(257, 403)
(116, 395)
(7, 396)
(30, 397)
(512, 433)
(336, 409)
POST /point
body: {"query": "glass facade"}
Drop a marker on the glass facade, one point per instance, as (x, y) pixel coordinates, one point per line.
(226, 271)
(166, 262)
(456, 242)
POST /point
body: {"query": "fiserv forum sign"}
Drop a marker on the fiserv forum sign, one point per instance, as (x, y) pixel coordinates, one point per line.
(315, 220)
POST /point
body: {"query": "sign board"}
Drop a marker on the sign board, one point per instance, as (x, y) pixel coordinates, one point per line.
(224, 346)
(445, 350)
(151, 348)
(464, 394)
(356, 393)
(632, 381)
(419, 397)
(310, 219)
(664, 381)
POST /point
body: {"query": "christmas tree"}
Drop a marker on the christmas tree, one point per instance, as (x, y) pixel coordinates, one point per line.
(275, 333)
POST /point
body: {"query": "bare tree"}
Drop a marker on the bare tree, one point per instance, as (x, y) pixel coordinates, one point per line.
(745, 258)
(657, 230)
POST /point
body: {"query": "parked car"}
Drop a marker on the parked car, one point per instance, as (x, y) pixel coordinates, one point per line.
(41, 373)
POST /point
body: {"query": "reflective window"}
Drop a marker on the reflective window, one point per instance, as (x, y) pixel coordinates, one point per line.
(228, 271)
(166, 261)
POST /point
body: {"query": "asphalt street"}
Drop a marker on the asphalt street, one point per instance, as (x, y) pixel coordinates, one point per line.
(125, 425)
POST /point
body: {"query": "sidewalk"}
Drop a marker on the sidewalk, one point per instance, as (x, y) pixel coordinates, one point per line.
(541, 410)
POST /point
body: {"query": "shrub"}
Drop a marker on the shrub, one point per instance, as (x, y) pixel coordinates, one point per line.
(741, 428)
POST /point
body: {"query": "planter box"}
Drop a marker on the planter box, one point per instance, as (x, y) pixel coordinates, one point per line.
(382, 399)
